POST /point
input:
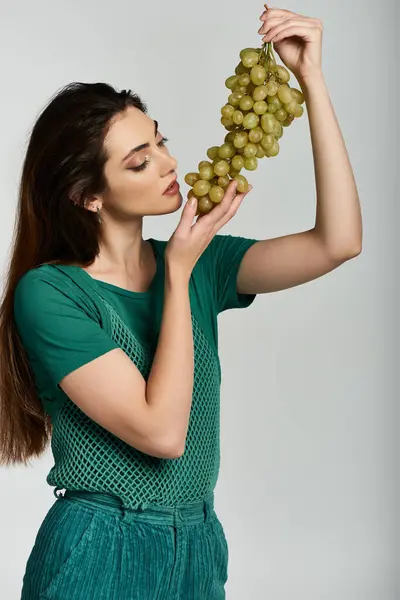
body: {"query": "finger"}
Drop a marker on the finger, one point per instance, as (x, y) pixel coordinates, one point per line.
(235, 204)
(286, 30)
(280, 22)
(210, 218)
(280, 12)
(188, 215)
(234, 207)
(273, 21)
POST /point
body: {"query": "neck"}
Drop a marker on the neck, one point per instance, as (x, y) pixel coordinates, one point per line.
(122, 248)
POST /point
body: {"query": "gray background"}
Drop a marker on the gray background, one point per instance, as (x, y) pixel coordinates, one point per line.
(307, 484)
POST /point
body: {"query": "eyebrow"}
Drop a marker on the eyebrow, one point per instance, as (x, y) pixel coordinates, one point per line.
(142, 146)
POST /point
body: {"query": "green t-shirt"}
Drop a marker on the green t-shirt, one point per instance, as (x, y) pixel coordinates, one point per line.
(66, 318)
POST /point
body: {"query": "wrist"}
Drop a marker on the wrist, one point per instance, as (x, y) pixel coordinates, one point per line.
(175, 276)
(312, 79)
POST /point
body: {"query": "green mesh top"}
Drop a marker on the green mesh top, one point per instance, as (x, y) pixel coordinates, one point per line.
(66, 318)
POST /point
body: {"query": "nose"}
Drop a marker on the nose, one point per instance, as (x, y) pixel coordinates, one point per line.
(169, 165)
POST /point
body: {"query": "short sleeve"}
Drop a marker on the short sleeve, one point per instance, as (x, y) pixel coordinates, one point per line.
(58, 335)
(226, 253)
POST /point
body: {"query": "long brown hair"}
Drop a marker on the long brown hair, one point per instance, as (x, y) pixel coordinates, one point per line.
(64, 164)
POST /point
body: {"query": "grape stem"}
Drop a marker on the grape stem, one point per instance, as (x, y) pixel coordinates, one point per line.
(267, 56)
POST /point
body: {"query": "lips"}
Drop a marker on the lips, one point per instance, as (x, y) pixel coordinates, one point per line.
(170, 185)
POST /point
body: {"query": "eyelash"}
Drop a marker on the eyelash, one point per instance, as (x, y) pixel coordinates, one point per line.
(146, 162)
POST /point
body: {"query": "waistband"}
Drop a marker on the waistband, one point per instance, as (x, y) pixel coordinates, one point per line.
(177, 515)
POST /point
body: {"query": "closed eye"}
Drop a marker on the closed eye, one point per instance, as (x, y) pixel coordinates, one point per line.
(141, 167)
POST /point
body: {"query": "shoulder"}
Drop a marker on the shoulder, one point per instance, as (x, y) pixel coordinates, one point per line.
(38, 280)
(41, 281)
(44, 291)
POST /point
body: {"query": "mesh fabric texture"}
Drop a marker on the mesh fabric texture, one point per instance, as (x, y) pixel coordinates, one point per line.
(88, 457)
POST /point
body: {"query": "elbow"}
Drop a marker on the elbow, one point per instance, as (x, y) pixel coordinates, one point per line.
(346, 252)
(170, 449)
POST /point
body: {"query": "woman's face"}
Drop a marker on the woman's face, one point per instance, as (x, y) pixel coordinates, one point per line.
(137, 180)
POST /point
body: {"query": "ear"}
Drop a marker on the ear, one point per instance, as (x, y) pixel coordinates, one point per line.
(93, 204)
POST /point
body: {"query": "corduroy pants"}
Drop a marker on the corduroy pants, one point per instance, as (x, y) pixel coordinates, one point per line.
(90, 548)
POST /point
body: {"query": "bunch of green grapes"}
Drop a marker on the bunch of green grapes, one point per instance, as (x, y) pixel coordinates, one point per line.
(260, 104)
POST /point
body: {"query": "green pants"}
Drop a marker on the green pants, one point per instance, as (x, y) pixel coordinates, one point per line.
(90, 548)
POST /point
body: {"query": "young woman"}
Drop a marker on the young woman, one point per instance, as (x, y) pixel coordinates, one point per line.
(109, 342)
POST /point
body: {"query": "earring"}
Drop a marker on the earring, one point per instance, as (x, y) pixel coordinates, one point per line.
(98, 215)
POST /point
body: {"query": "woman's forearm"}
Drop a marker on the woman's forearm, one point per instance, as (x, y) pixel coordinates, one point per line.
(170, 383)
(338, 216)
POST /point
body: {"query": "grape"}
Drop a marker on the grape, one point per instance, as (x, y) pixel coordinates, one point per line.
(250, 149)
(221, 168)
(205, 205)
(260, 107)
(240, 89)
(268, 123)
(255, 134)
(251, 120)
(273, 151)
(260, 93)
(290, 107)
(237, 162)
(281, 115)
(267, 141)
(272, 108)
(272, 88)
(191, 178)
(250, 59)
(278, 133)
(235, 98)
(216, 194)
(251, 163)
(242, 184)
(223, 181)
(274, 100)
(246, 103)
(231, 81)
(258, 74)
(227, 122)
(270, 66)
(241, 139)
(288, 121)
(227, 150)
(212, 153)
(229, 137)
(240, 150)
(206, 172)
(233, 172)
(243, 52)
(299, 111)
(244, 79)
(201, 187)
(297, 96)
(260, 151)
(282, 74)
(227, 111)
(240, 69)
(237, 117)
(203, 163)
(284, 94)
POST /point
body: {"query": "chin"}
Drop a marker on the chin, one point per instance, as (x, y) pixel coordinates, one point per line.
(171, 204)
